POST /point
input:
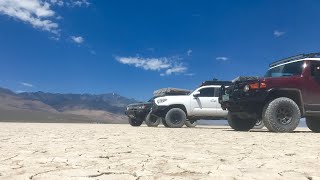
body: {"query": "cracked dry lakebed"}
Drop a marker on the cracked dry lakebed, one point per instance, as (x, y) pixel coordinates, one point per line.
(106, 151)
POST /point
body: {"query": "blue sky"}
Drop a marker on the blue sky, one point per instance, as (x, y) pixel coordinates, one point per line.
(135, 47)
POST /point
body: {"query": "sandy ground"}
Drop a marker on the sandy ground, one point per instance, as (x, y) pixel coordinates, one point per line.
(97, 151)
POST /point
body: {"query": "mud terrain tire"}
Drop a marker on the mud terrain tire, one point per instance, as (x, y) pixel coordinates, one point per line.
(135, 122)
(191, 124)
(281, 115)
(240, 124)
(175, 118)
(164, 122)
(313, 124)
(152, 120)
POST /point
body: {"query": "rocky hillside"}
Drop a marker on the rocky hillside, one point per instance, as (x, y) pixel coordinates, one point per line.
(51, 107)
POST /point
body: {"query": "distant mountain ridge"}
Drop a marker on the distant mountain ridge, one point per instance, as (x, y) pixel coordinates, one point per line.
(104, 108)
(110, 102)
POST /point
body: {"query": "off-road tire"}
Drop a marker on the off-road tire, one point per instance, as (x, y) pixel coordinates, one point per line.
(191, 124)
(135, 122)
(259, 124)
(239, 124)
(164, 122)
(281, 115)
(313, 124)
(175, 118)
(152, 120)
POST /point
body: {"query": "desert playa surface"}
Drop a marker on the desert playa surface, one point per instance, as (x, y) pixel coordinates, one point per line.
(99, 151)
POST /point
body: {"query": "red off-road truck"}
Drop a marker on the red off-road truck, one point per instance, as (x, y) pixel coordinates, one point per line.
(289, 91)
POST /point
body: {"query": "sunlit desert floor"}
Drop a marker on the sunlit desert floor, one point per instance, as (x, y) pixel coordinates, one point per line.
(98, 151)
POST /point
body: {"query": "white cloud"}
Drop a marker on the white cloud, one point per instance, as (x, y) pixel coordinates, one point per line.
(38, 13)
(178, 69)
(278, 33)
(189, 74)
(70, 3)
(222, 58)
(93, 52)
(35, 12)
(80, 3)
(189, 52)
(20, 91)
(77, 39)
(57, 2)
(168, 65)
(26, 84)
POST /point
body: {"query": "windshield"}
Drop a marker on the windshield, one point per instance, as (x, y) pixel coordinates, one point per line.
(151, 100)
(291, 69)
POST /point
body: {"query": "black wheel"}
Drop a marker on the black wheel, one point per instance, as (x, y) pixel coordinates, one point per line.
(175, 118)
(281, 115)
(152, 120)
(135, 122)
(164, 122)
(239, 124)
(191, 123)
(259, 124)
(313, 124)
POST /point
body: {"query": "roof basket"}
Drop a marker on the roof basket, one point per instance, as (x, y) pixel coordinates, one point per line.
(292, 58)
(215, 82)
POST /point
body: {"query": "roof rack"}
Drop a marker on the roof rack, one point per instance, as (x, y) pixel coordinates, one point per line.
(292, 58)
(216, 82)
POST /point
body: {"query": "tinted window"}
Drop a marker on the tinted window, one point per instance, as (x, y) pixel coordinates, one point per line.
(291, 69)
(207, 92)
(216, 92)
(315, 69)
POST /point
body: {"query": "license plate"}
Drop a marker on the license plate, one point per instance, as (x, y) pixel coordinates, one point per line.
(225, 97)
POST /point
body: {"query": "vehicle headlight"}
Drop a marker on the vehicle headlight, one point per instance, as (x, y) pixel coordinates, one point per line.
(161, 100)
(141, 107)
(246, 88)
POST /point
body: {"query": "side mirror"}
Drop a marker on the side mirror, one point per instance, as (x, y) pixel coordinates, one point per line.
(196, 94)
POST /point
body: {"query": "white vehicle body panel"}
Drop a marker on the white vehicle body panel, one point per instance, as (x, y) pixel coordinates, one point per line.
(196, 106)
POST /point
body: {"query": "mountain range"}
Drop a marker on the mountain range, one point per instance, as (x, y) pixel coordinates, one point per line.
(55, 107)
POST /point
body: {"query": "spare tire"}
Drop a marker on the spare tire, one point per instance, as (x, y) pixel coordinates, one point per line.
(191, 124)
(135, 122)
(175, 118)
(152, 120)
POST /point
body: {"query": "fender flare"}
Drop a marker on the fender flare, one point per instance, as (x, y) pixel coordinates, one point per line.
(298, 91)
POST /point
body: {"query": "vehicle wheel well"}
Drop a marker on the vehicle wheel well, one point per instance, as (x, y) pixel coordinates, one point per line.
(177, 106)
(291, 94)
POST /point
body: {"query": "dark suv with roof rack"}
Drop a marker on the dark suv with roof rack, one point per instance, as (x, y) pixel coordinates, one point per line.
(289, 90)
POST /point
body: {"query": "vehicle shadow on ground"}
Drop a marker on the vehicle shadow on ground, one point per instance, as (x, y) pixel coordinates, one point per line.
(212, 127)
(266, 131)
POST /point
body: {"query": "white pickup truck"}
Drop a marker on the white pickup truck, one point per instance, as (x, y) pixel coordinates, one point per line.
(175, 111)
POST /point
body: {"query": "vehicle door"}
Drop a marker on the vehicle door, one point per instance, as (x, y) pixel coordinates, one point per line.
(311, 93)
(203, 102)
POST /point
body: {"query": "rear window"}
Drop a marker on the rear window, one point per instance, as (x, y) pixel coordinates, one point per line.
(291, 69)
